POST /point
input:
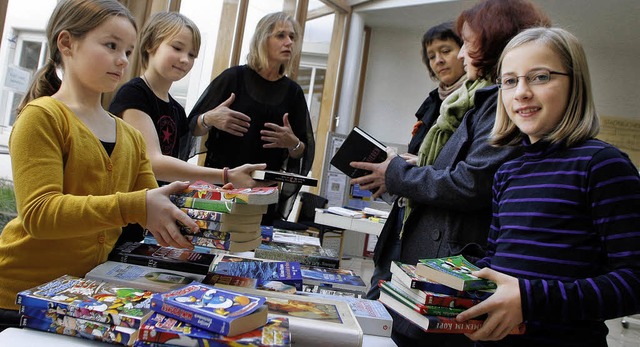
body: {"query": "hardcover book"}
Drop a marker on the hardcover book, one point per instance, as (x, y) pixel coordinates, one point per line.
(337, 278)
(163, 257)
(263, 271)
(280, 176)
(217, 205)
(93, 300)
(224, 217)
(148, 278)
(424, 297)
(231, 246)
(358, 146)
(454, 271)
(406, 274)
(213, 309)
(303, 254)
(43, 320)
(373, 317)
(314, 320)
(253, 196)
(423, 309)
(166, 330)
(436, 324)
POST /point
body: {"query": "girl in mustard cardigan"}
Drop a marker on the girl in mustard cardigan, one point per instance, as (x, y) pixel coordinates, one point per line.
(80, 173)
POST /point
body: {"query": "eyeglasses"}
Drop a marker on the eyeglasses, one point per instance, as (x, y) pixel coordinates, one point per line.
(533, 78)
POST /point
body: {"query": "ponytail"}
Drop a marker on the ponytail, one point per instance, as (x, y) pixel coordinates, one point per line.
(45, 83)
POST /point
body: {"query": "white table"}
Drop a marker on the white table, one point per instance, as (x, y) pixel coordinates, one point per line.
(27, 337)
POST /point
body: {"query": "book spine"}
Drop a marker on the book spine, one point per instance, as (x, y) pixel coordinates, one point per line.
(196, 319)
(202, 204)
(209, 242)
(420, 308)
(91, 330)
(268, 176)
(204, 214)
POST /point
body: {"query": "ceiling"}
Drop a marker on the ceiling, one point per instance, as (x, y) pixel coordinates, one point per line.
(604, 23)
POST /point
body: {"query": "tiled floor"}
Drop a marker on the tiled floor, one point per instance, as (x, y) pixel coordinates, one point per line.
(618, 336)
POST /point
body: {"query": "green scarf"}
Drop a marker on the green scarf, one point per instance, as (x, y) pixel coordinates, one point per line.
(452, 111)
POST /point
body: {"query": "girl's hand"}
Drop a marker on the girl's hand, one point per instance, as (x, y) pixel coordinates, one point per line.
(163, 216)
(241, 176)
(225, 119)
(503, 308)
(375, 181)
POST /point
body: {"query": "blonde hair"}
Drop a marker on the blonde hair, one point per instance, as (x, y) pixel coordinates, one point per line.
(258, 57)
(161, 27)
(580, 120)
(78, 17)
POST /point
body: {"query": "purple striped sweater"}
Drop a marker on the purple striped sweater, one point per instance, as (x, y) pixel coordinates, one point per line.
(566, 222)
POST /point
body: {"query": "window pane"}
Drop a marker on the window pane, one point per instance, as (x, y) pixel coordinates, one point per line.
(30, 55)
(255, 11)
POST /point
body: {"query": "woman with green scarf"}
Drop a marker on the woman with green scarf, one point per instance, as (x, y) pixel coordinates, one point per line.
(449, 190)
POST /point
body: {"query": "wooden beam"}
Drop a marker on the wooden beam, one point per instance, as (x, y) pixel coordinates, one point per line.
(363, 74)
(319, 12)
(338, 5)
(3, 16)
(239, 35)
(330, 96)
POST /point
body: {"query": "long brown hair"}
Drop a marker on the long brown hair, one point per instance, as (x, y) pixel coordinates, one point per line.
(78, 17)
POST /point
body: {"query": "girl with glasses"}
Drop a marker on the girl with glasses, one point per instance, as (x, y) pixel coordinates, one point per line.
(564, 241)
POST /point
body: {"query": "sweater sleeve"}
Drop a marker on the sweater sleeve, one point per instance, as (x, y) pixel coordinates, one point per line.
(62, 189)
(613, 191)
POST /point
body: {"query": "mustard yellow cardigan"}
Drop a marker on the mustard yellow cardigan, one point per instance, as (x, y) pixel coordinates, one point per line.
(72, 198)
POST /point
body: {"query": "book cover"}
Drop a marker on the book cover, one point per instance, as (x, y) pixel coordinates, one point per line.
(436, 324)
(93, 300)
(144, 277)
(150, 240)
(337, 278)
(358, 146)
(266, 231)
(223, 217)
(282, 237)
(373, 317)
(313, 319)
(406, 274)
(231, 246)
(310, 288)
(235, 236)
(43, 320)
(217, 205)
(454, 271)
(166, 330)
(304, 254)
(423, 309)
(253, 196)
(263, 272)
(214, 309)
(162, 257)
(287, 177)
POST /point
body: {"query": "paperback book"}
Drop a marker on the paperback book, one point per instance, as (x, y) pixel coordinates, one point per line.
(454, 271)
(163, 257)
(147, 278)
(436, 324)
(89, 299)
(150, 240)
(234, 227)
(253, 196)
(423, 309)
(303, 254)
(169, 331)
(358, 146)
(282, 237)
(324, 290)
(313, 319)
(44, 320)
(336, 278)
(213, 309)
(280, 176)
(217, 205)
(263, 272)
(231, 246)
(223, 217)
(372, 316)
(431, 298)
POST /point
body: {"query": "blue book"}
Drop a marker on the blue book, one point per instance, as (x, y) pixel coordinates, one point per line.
(287, 272)
(336, 278)
(214, 309)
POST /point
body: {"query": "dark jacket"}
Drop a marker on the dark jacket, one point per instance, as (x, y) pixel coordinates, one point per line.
(452, 197)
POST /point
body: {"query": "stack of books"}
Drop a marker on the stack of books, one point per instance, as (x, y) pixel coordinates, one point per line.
(228, 219)
(85, 308)
(169, 258)
(432, 293)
